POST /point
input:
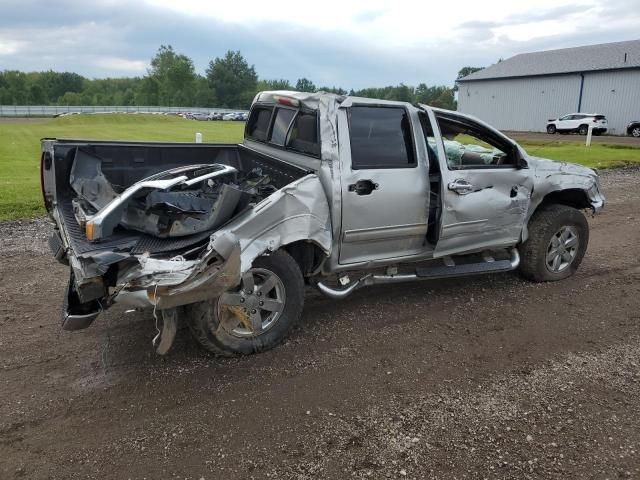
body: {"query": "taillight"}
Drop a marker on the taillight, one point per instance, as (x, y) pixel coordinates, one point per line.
(288, 101)
(45, 164)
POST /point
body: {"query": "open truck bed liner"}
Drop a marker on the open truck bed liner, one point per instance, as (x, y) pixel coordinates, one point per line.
(122, 240)
(127, 162)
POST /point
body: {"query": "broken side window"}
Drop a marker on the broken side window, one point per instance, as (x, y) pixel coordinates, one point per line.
(468, 145)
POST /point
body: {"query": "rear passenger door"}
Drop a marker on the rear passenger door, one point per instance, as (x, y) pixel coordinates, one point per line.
(384, 183)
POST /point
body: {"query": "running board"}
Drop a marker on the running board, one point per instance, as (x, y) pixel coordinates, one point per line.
(450, 269)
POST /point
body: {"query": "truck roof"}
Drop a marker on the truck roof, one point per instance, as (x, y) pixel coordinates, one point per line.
(313, 100)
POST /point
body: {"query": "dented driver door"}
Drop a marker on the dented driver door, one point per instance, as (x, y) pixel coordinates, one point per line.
(486, 187)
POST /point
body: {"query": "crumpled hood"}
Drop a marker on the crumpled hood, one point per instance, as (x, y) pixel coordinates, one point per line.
(543, 167)
(551, 176)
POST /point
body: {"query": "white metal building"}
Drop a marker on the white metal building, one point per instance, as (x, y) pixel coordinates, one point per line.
(523, 92)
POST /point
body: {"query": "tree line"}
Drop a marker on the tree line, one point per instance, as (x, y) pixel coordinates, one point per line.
(171, 80)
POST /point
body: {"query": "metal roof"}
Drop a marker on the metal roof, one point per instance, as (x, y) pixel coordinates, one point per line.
(605, 56)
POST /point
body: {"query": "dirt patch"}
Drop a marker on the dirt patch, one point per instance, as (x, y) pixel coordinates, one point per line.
(482, 377)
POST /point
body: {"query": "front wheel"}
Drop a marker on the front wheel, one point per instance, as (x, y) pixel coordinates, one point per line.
(558, 239)
(551, 129)
(255, 317)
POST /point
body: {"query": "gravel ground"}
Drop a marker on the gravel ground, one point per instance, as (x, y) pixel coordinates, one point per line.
(480, 377)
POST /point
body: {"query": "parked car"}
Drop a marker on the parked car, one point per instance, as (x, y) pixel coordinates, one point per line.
(235, 116)
(199, 116)
(215, 116)
(633, 129)
(578, 122)
(333, 191)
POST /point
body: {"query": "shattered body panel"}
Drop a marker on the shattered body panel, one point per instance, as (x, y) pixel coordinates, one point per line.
(299, 211)
(550, 176)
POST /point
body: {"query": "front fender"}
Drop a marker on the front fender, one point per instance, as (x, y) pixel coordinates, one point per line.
(562, 181)
(553, 177)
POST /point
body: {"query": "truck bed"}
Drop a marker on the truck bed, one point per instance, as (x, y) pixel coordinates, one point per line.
(124, 163)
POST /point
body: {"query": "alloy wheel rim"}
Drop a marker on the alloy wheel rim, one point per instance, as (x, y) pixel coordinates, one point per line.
(636, 132)
(562, 249)
(255, 307)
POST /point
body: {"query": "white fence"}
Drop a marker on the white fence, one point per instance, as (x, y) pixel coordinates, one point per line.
(53, 110)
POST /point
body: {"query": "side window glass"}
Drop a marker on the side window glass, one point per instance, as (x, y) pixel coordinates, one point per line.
(304, 134)
(281, 125)
(380, 138)
(258, 124)
(470, 146)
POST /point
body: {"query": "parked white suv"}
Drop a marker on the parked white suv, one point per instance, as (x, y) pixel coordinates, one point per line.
(578, 122)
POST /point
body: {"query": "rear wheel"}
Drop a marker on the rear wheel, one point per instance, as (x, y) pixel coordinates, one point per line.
(551, 129)
(255, 317)
(583, 129)
(558, 239)
(635, 132)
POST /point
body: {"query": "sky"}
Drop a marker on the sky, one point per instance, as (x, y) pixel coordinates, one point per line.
(349, 44)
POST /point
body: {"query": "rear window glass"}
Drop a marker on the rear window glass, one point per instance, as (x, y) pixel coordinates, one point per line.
(304, 133)
(258, 124)
(380, 138)
(599, 117)
(281, 125)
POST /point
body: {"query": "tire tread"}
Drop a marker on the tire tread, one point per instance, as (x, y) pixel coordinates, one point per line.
(533, 250)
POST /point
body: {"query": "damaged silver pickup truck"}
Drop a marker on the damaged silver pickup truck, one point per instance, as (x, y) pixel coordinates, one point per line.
(333, 191)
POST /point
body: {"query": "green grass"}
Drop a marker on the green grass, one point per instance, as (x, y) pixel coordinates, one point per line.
(20, 147)
(598, 156)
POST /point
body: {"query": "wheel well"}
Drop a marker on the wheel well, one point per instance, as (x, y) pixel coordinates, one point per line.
(573, 197)
(307, 255)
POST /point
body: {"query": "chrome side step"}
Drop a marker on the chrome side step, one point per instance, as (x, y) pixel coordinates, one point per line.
(450, 269)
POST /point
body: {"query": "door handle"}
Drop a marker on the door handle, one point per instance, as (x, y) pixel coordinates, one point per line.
(363, 187)
(460, 186)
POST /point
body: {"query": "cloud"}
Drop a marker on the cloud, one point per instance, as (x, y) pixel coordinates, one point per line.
(349, 44)
(123, 65)
(9, 47)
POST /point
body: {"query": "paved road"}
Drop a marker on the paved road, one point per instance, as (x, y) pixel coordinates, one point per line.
(483, 377)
